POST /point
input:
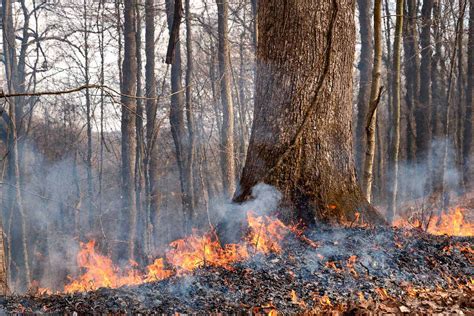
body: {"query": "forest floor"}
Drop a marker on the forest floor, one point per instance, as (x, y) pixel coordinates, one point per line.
(353, 270)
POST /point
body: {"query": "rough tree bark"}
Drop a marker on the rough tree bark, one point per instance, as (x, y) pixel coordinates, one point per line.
(396, 97)
(227, 141)
(129, 105)
(365, 70)
(301, 138)
(375, 94)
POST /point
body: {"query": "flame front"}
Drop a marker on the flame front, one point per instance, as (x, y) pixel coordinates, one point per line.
(452, 223)
(264, 236)
(99, 271)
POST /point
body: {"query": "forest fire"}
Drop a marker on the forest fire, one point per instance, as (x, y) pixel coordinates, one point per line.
(278, 143)
(278, 269)
(265, 236)
(453, 222)
(185, 255)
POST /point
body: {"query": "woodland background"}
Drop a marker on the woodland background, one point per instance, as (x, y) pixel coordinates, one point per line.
(188, 129)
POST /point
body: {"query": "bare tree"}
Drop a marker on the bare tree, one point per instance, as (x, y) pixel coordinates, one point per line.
(423, 111)
(150, 159)
(412, 74)
(375, 94)
(129, 106)
(18, 247)
(189, 167)
(227, 141)
(365, 70)
(467, 145)
(178, 130)
(392, 203)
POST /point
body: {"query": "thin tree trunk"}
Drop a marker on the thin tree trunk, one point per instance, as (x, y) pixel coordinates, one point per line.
(388, 61)
(129, 107)
(189, 167)
(119, 36)
(139, 172)
(396, 112)
(438, 93)
(19, 247)
(467, 145)
(102, 103)
(442, 186)
(177, 106)
(364, 96)
(254, 5)
(151, 165)
(243, 139)
(423, 109)
(460, 101)
(4, 290)
(375, 94)
(412, 74)
(227, 141)
(90, 190)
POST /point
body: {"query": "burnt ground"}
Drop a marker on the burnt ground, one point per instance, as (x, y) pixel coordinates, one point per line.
(396, 271)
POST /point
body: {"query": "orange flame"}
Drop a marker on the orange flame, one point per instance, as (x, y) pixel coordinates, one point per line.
(452, 223)
(265, 236)
(100, 271)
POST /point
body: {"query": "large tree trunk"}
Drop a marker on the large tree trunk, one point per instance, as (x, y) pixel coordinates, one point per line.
(301, 138)
(467, 145)
(365, 69)
(227, 141)
(129, 105)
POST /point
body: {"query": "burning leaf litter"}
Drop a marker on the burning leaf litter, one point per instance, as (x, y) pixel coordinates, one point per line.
(326, 269)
